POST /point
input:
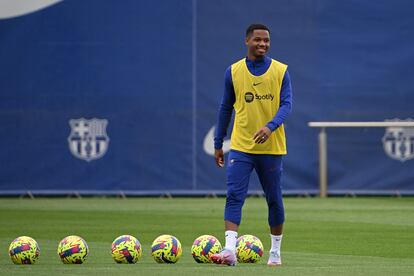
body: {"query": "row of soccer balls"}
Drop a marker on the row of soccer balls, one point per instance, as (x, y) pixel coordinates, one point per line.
(126, 249)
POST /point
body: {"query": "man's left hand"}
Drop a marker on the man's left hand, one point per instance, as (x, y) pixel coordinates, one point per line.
(262, 135)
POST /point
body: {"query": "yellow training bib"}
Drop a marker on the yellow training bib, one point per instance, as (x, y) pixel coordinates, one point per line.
(257, 102)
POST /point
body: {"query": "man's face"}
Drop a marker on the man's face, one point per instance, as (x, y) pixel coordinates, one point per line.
(258, 43)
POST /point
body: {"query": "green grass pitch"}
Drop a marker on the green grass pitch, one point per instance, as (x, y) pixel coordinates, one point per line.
(334, 236)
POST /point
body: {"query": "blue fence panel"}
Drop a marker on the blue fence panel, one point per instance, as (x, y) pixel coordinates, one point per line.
(151, 74)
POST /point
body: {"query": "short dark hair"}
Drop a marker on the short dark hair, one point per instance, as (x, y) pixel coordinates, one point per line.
(256, 26)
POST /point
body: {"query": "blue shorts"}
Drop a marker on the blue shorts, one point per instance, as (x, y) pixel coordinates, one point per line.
(269, 169)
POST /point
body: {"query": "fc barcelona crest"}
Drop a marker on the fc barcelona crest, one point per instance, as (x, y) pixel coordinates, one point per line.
(88, 139)
(398, 142)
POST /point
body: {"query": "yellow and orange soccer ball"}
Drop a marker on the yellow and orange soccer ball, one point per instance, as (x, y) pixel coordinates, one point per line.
(126, 249)
(166, 249)
(204, 247)
(73, 250)
(24, 250)
(249, 249)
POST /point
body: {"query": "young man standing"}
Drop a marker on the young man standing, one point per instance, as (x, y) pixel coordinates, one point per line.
(258, 88)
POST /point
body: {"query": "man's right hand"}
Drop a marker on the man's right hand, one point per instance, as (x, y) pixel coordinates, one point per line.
(219, 156)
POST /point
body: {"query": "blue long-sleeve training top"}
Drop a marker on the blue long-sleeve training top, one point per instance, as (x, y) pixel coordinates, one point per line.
(257, 68)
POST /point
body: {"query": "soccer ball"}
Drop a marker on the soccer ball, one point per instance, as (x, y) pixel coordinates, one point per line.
(24, 250)
(249, 249)
(73, 250)
(126, 249)
(204, 247)
(166, 249)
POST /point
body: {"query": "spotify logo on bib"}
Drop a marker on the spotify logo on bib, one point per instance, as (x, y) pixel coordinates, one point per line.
(248, 97)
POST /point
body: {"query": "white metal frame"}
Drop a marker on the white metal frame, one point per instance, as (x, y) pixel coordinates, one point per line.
(323, 148)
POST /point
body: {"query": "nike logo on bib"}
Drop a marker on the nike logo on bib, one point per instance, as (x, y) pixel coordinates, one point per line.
(256, 84)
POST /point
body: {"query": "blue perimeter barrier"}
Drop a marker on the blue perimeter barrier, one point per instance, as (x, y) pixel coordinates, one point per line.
(103, 98)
